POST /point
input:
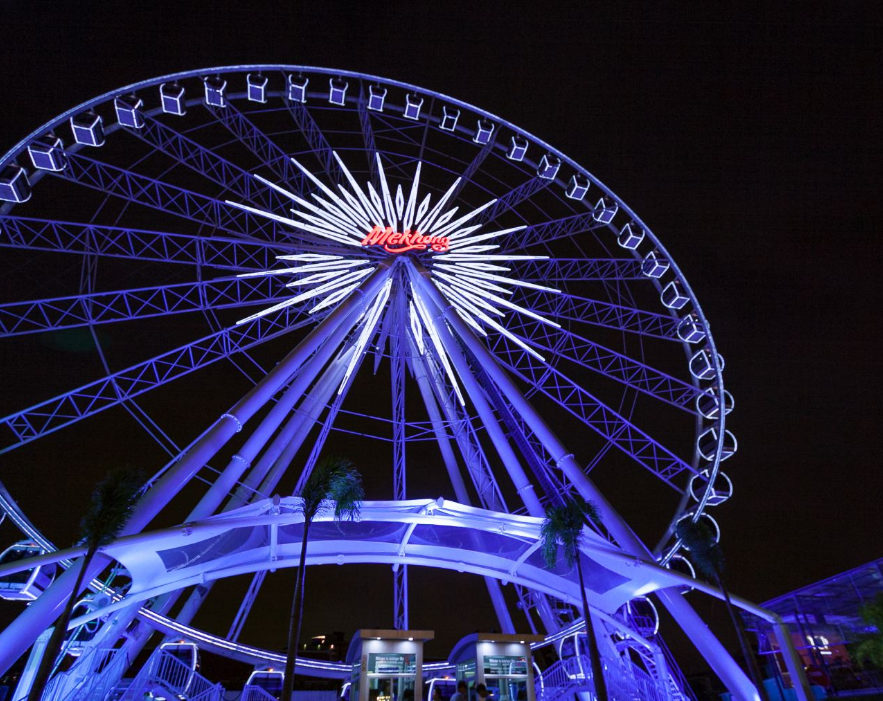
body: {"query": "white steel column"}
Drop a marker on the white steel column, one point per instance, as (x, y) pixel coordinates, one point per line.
(462, 495)
(792, 660)
(399, 465)
(523, 486)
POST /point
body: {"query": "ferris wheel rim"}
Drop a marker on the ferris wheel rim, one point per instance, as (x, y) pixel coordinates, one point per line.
(17, 150)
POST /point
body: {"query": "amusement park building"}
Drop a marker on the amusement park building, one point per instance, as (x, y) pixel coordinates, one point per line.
(825, 619)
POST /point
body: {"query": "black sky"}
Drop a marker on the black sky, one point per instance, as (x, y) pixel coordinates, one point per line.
(749, 141)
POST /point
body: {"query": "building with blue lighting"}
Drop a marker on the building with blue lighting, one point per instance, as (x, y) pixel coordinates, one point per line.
(825, 622)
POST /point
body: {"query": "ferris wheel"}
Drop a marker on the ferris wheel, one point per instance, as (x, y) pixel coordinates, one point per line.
(317, 252)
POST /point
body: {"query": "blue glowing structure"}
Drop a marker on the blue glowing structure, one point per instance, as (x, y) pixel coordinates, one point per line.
(245, 197)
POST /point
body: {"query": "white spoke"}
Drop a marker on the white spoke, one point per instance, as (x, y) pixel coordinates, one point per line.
(471, 274)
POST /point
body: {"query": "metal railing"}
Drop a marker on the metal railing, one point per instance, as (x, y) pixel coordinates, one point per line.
(165, 671)
(681, 689)
(90, 679)
(625, 681)
(255, 693)
(563, 677)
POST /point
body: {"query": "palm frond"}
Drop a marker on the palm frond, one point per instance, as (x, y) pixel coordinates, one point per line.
(869, 647)
(563, 525)
(111, 506)
(333, 479)
(705, 554)
(347, 494)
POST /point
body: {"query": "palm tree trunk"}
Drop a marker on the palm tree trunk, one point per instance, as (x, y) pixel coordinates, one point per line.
(297, 615)
(57, 639)
(598, 680)
(747, 652)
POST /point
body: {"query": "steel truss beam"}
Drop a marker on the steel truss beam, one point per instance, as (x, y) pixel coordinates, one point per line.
(368, 136)
(595, 357)
(402, 128)
(137, 244)
(576, 269)
(399, 472)
(20, 318)
(178, 201)
(315, 138)
(68, 408)
(463, 431)
(209, 164)
(549, 231)
(474, 165)
(609, 424)
(512, 199)
(592, 311)
(264, 148)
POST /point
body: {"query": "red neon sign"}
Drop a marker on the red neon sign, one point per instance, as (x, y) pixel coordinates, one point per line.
(397, 242)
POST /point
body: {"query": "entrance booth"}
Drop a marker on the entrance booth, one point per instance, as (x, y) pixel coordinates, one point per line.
(502, 662)
(387, 665)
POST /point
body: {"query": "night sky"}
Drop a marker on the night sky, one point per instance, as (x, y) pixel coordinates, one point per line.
(750, 144)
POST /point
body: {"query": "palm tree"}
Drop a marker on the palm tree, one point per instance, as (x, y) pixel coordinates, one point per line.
(564, 524)
(332, 480)
(869, 647)
(110, 507)
(708, 558)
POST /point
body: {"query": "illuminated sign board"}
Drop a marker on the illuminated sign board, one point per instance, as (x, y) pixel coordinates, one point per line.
(397, 242)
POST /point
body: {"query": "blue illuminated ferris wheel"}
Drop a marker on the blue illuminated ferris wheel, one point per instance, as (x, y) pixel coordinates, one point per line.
(303, 231)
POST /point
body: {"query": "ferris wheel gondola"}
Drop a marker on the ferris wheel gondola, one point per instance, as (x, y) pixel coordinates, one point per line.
(268, 680)
(28, 584)
(187, 654)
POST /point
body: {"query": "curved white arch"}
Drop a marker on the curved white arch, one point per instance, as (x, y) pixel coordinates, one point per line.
(419, 532)
(469, 539)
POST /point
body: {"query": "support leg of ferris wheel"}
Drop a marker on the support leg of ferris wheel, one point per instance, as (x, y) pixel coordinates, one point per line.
(474, 459)
(265, 430)
(523, 486)
(276, 460)
(23, 631)
(399, 476)
(271, 467)
(234, 470)
(513, 465)
(308, 416)
(273, 463)
(714, 652)
(460, 493)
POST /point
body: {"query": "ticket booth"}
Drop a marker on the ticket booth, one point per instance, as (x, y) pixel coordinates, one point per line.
(502, 662)
(387, 665)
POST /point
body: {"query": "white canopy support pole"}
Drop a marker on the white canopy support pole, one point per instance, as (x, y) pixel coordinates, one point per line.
(792, 660)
